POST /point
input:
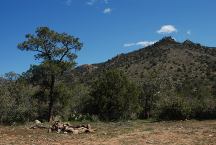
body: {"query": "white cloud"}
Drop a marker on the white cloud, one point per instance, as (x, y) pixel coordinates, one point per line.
(167, 29)
(189, 32)
(107, 10)
(129, 44)
(68, 2)
(92, 2)
(145, 43)
(140, 43)
(106, 1)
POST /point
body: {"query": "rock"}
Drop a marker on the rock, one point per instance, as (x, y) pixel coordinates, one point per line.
(75, 131)
(49, 130)
(60, 127)
(82, 130)
(89, 126)
(69, 129)
(59, 130)
(37, 122)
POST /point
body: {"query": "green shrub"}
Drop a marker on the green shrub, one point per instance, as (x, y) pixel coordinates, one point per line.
(16, 103)
(71, 101)
(83, 117)
(114, 97)
(204, 109)
(174, 108)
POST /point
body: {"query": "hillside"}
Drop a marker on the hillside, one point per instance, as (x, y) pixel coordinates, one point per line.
(166, 62)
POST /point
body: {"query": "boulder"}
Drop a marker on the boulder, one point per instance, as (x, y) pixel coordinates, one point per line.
(37, 122)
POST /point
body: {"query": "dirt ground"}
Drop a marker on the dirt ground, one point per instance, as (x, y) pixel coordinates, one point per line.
(122, 133)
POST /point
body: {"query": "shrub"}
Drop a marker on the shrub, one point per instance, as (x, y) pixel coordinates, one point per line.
(16, 103)
(174, 108)
(204, 108)
(71, 101)
(114, 97)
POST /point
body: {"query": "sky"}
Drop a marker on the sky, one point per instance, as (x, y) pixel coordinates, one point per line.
(106, 27)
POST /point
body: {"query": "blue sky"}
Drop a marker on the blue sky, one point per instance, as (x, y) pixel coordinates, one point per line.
(106, 27)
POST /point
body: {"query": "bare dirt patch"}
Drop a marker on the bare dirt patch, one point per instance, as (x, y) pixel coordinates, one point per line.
(122, 133)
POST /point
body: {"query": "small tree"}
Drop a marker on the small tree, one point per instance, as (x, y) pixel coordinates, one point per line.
(55, 51)
(148, 98)
(114, 97)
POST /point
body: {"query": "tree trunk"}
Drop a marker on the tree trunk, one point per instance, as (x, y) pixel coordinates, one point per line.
(146, 107)
(51, 99)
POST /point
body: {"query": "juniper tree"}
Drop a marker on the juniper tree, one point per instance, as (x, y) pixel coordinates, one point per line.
(114, 97)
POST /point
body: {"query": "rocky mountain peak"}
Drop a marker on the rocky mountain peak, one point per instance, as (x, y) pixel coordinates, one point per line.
(166, 41)
(188, 42)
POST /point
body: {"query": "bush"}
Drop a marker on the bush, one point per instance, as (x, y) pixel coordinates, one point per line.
(204, 108)
(174, 108)
(81, 117)
(16, 103)
(114, 97)
(148, 98)
(71, 101)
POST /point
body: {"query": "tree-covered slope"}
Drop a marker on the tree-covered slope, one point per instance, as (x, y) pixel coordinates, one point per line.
(166, 61)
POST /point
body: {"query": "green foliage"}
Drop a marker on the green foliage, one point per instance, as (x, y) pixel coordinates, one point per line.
(204, 108)
(70, 100)
(55, 51)
(83, 117)
(16, 103)
(171, 87)
(172, 108)
(51, 45)
(195, 100)
(114, 97)
(148, 98)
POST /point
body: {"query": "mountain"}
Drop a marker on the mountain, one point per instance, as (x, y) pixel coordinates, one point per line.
(2, 80)
(166, 62)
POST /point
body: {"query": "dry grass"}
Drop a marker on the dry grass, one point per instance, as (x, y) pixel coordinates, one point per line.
(122, 133)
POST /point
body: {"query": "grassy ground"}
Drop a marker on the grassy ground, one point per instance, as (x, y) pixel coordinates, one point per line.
(122, 133)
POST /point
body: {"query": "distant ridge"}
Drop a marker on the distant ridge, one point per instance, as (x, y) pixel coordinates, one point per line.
(166, 59)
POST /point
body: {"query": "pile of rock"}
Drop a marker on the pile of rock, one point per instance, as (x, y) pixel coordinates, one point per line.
(67, 128)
